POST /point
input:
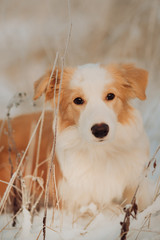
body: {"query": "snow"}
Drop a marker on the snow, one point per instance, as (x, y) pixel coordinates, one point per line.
(26, 225)
(102, 226)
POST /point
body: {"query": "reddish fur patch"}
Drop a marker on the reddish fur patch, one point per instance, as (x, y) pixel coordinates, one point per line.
(43, 85)
(129, 82)
(69, 112)
(21, 126)
(133, 80)
(120, 103)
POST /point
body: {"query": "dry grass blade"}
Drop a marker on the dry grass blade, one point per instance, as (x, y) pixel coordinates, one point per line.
(55, 130)
(141, 228)
(133, 208)
(147, 230)
(50, 229)
(12, 147)
(29, 165)
(41, 126)
(40, 181)
(51, 161)
(57, 197)
(69, 30)
(50, 167)
(42, 122)
(151, 28)
(7, 183)
(154, 157)
(38, 153)
(157, 190)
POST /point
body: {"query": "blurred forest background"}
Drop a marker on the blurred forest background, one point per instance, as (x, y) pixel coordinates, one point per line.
(32, 31)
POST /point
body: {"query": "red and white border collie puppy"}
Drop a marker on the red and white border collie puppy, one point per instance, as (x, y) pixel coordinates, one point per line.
(101, 145)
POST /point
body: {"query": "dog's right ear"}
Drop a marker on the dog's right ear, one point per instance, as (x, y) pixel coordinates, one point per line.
(46, 84)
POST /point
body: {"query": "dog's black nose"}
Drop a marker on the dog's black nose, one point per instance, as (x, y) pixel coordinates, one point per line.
(100, 130)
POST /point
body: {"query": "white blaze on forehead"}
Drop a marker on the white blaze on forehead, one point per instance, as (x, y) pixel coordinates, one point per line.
(92, 78)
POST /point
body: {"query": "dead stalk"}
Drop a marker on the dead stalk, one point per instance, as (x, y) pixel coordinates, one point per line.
(18, 189)
(153, 161)
(39, 234)
(12, 148)
(38, 153)
(41, 128)
(154, 157)
(30, 160)
(55, 130)
(141, 228)
(129, 211)
(126, 222)
(157, 190)
(49, 167)
(48, 228)
(43, 112)
(51, 162)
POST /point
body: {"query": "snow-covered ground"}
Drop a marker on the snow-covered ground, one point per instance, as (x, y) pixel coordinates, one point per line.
(102, 31)
(102, 227)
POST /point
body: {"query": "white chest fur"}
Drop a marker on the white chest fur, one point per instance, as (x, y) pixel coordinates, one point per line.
(99, 173)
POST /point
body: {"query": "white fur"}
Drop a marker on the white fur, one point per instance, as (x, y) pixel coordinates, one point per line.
(92, 79)
(99, 172)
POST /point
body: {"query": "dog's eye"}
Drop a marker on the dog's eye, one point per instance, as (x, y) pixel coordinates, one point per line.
(78, 101)
(110, 96)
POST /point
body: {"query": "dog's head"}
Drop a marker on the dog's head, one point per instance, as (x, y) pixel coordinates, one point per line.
(94, 97)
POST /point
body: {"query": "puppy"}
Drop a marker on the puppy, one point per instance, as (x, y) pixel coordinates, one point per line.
(101, 145)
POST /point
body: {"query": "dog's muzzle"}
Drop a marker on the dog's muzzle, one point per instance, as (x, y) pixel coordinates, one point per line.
(100, 130)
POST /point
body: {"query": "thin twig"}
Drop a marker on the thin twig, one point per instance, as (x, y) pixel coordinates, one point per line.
(48, 228)
(49, 169)
(132, 209)
(69, 30)
(55, 130)
(38, 152)
(51, 161)
(43, 112)
(141, 228)
(7, 183)
(42, 122)
(154, 156)
(126, 222)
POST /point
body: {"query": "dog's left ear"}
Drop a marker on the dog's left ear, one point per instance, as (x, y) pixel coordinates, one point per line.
(46, 84)
(135, 80)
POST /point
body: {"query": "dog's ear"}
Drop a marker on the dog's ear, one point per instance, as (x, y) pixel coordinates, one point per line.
(46, 84)
(135, 80)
